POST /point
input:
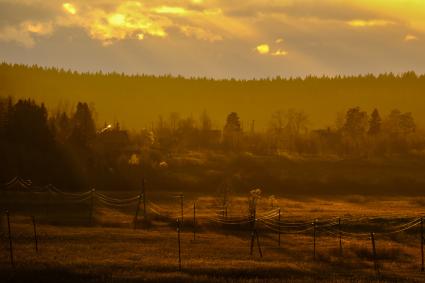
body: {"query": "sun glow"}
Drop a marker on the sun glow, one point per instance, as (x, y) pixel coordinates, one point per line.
(369, 23)
(263, 49)
(280, 52)
(70, 8)
(117, 20)
(170, 10)
(410, 37)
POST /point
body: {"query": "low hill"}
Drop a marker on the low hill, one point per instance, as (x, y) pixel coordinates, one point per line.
(136, 101)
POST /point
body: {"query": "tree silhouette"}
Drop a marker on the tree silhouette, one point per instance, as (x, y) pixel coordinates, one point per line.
(232, 131)
(356, 122)
(399, 123)
(84, 129)
(27, 124)
(233, 123)
(375, 123)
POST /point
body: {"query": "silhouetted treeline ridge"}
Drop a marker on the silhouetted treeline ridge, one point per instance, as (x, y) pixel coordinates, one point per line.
(137, 100)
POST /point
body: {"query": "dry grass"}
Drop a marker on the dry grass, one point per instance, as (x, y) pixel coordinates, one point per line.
(111, 251)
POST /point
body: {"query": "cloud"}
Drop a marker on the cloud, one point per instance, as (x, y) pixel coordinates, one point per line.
(16, 12)
(13, 34)
(279, 52)
(128, 19)
(410, 37)
(170, 10)
(24, 33)
(200, 33)
(70, 8)
(369, 23)
(263, 49)
(329, 36)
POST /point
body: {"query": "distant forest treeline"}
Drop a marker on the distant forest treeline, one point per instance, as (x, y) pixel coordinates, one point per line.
(138, 100)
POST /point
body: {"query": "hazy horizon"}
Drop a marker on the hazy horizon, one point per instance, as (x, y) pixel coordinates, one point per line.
(200, 77)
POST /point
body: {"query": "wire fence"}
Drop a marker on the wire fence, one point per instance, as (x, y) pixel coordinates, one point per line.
(199, 214)
(267, 220)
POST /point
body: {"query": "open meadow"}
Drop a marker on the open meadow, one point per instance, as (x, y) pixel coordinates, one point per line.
(76, 244)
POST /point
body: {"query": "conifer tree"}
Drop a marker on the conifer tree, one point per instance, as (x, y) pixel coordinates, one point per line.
(375, 123)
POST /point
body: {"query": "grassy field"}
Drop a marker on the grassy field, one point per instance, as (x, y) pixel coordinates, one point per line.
(112, 251)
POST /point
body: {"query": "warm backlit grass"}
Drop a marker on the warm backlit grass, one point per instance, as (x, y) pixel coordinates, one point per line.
(112, 251)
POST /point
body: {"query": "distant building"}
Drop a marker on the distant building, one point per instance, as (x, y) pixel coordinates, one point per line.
(113, 141)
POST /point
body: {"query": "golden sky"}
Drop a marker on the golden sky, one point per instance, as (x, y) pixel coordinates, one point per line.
(217, 38)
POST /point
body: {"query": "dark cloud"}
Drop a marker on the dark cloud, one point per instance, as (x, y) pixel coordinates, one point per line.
(12, 13)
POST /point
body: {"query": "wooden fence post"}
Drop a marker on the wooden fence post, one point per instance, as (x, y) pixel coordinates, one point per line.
(422, 244)
(279, 229)
(194, 221)
(35, 234)
(178, 241)
(92, 206)
(372, 237)
(144, 199)
(253, 215)
(136, 216)
(252, 243)
(10, 238)
(340, 236)
(314, 239)
(47, 204)
(181, 208)
(258, 243)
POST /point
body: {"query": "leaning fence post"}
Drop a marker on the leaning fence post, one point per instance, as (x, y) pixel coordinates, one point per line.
(178, 241)
(35, 234)
(372, 237)
(422, 243)
(10, 238)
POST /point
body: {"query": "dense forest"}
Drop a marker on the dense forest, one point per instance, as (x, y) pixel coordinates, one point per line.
(70, 146)
(138, 100)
